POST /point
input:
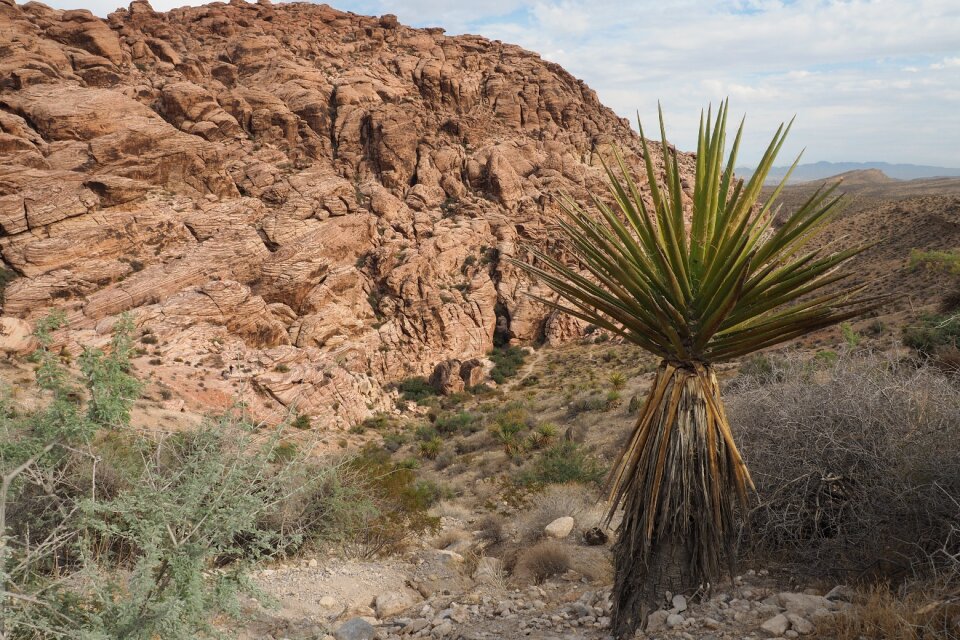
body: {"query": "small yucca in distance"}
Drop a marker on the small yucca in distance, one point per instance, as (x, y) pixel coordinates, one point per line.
(727, 285)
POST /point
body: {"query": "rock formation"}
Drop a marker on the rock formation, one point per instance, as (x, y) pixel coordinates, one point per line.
(299, 205)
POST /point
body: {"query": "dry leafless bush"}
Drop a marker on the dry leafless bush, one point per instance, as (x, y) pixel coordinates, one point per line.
(544, 560)
(490, 529)
(857, 466)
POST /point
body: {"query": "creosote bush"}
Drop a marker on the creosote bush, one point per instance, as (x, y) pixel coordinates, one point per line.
(107, 532)
(506, 363)
(565, 461)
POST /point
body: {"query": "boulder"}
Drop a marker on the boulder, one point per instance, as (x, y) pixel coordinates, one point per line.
(355, 629)
(559, 528)
(391, 603)
(16, 336)
(775, 626)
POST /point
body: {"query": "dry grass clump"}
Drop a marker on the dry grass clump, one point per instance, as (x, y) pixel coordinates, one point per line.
(857, 465)
(490, 529)
(884, 614)
(542, 561)
(449, 538)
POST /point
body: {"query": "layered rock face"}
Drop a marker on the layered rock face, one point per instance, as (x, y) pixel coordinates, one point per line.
(300, 205)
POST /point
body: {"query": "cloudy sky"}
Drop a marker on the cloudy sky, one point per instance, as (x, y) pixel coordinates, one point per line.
(869, 80)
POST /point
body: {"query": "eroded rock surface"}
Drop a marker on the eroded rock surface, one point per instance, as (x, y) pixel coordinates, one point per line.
(302, 203)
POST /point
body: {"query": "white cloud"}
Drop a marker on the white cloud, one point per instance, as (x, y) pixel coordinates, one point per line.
(868, 79)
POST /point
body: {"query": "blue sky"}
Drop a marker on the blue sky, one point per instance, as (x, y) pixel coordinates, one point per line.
(869, 80)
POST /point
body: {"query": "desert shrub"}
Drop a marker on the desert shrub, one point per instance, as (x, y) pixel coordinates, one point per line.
(587, 402)
(490, 529)
(950, 302)
(460, 422)
(378, 422)
(393, 441)
(401, 501)
(932, 334)
(506, 363)
(942, 260)
(301, 421)
(762, 368)
(416, 389)
(107, 532)
(857, 467)
(565, 461)
(542, 561)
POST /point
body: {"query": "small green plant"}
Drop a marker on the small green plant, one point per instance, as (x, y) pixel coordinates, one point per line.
(618, 381)
(431, 447)
(850, 336)
(302, 422)
(544, 434)
(933, 334)
(416, 389)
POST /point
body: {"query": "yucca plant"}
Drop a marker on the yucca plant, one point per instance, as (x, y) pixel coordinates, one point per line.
(699, 284)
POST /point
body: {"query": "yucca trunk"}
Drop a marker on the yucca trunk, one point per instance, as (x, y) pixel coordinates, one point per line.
(677, 481)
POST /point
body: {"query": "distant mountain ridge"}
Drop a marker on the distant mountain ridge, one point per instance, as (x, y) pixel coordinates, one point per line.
(821, 170)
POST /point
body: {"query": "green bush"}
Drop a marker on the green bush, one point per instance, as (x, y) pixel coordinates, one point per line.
(107, 532)
(933, 333)
(460, 422)
(415, 389)
(402, 503)
(589, 402)
(946, 260)
(506, 363)
(565, 461)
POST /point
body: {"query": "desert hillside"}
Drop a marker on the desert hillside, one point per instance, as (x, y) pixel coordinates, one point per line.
(299, 205)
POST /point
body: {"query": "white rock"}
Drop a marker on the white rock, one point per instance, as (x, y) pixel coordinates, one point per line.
(657, 620)
(776, 625)
(800, 624)
(559, 528)
(674, 620)
(802, 603)
(393, 602)
(328, 602)
(842, 593)
(679, 603)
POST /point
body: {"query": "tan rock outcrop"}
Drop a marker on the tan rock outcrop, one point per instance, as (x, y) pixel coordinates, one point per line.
(302, 205)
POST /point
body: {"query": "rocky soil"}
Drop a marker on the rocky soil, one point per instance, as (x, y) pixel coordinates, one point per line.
(299, 205)
(445, 594)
